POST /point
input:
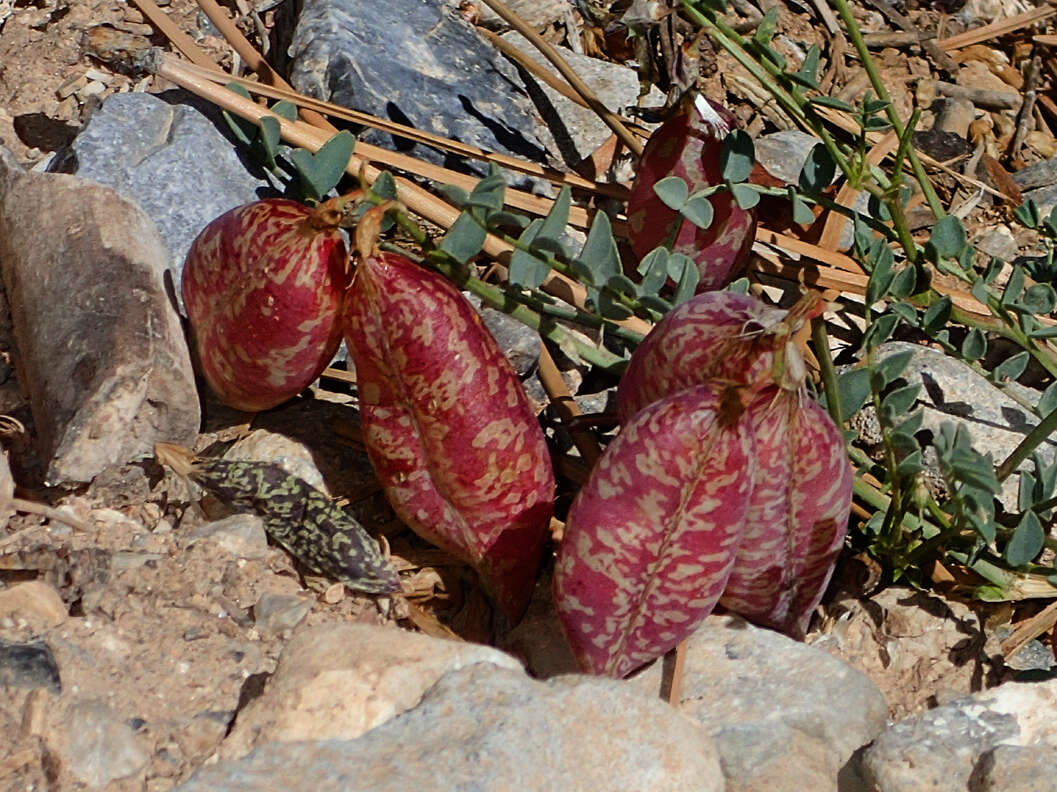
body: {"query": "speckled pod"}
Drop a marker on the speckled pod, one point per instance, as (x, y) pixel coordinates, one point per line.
(263, 286)
(798, 513)
(688, 145)
(717, 335)
(651, 538)
(447, 425)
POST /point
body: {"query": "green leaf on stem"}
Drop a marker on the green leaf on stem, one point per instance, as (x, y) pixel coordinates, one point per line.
(737, 156)
(1011, 368)
(975, 345)
(245, 131)
(673, 192)
(1028, 214)
(286, 109)
(744, 195)
(1014, 286)
(1027, 540)
(599, 253)
(320, 172)
(766, 27)
(698, 210)
(1039, 298)
(818, 171)
(465, 239)
(890, 368)
(948, 237)
(526, 269)
(937, 315)
(854, 389)
(687, 280)
(654, 271)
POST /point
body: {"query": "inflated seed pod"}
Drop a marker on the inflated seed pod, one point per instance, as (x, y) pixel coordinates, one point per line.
(651, 539)
(448, 428)
(263, 286)
(797, 515)
(688, 145)
(716, 336)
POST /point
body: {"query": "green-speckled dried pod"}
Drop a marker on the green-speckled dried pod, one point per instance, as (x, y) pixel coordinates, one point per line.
(263, 286)
(448, 428)
(651, 539)
(716, 336)
(798, 513)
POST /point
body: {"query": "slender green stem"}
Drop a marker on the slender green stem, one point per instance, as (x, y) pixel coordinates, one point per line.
(825, 363)
(844, 10)
(1042, 431)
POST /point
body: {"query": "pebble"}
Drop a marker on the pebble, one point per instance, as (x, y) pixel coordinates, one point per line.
(241, 535)
(93, 746)
(490, 728)
(33, 601)
(274, 614)
(29, 665)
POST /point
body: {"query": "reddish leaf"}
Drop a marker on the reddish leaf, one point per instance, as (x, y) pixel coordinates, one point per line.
(798, 513)
(688, 145)
(651, 538)
(263, 286)
(447, 425)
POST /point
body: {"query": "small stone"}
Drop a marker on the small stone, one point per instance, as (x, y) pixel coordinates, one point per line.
(93, 88)
(7, 491)
(29, 665)
(109, 374)
(35, 601)
(94, 746)
(339, 681)
(783, 154)
(274, 614)
(333, 594)
(954, 116)
(520, 343)
(241, 535)
(204, 733)
(490, 728)
(998, 242)
(294, 457)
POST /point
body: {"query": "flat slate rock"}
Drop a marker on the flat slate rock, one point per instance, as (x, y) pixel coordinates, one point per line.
(416, 62)
(28, 666)
(485, 728)
(171, 158)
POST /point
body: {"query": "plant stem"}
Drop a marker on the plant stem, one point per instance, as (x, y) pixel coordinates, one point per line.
(1046, 427)
(826, 371)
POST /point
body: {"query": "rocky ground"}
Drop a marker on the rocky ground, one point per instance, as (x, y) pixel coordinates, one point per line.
(149, 640)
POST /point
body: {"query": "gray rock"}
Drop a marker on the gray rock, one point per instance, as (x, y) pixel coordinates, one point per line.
(1038, 174)
(276, 613)
(486, 728)
(102, 352)
(1013, 767)
(783, 153)
(953, 392)
(520, 343)
(1045, 198)
(93, 746)
(954, 116)
(242, 535)
(340, 681)
(576, 130)
(998, 242)
(416, 62)
(949, 747)
(170, 158)
(537, 13)
(29, 666)
(293, 456)
(784, 715)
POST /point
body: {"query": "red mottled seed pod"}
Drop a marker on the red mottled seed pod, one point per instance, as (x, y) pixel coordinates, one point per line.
(263, 286)
(688, 145)
(447, 425)
(651, 538)
(798, 513)
(716, 336)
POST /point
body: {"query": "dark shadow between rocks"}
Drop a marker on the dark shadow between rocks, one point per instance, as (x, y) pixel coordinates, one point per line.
(39, 131)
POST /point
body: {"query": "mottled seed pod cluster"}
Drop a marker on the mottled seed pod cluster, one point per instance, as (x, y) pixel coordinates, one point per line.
(797, 515)
(448, 428)
(651, 539)
(688, 145)
(263, 286)
(726, 484)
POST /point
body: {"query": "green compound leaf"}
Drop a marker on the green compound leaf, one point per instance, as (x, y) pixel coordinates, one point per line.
(698, 210)
(654, 271)
(599, 254)
(1026, 542)
(672, 191)
(937, 315)
(818, 171)
(526, 269)
(975, 345)
(244, 131)
(303, 520)
(1028, 214)
(744, 195)
(737, 156)
(320, 172)
(285, 109)
(854, 389)
(948, 237)
(1011, 368)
